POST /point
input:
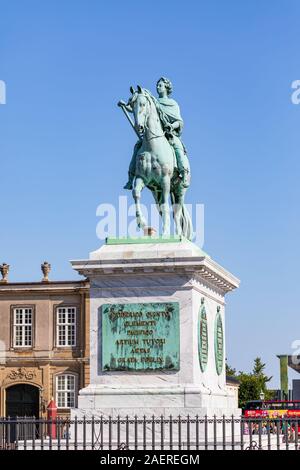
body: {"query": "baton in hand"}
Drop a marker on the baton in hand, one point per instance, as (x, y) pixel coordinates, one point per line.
(129, 119)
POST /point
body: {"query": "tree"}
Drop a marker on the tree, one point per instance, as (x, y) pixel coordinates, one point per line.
(251, 384)
(258, 373)
(249, 388)
(258, 367)
(230, 372)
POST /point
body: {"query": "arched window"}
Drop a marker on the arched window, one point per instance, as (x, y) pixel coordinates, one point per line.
(66, 390)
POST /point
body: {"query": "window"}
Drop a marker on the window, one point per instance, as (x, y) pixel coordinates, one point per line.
(23, 327)
(66, 326)
(65, 391)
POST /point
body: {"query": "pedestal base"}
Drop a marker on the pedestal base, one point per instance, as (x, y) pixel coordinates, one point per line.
(98, 400)
(156, 331)
(139, 417)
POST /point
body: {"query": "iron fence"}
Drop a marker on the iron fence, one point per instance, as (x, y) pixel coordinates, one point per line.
(150, 433)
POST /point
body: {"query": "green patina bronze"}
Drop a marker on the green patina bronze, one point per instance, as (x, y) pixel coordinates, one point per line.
(159, 160)
(202, 337)
(140, 337)
(284, 383)
(219, 343)
(141, 240)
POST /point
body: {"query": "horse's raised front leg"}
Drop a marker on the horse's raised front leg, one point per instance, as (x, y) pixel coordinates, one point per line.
(165, 209)
(137, 189)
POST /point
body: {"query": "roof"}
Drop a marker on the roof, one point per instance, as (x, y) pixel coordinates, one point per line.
(232, 380)
(50, 286)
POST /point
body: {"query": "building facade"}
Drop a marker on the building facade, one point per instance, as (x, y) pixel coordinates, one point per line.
(44, 346)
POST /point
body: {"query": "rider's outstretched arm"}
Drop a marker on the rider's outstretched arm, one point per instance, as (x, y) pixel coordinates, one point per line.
(127, 106)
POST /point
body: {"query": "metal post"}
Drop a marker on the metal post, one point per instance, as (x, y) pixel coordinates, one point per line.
(42, 434)
(171, 432)
(127, 432)
(109, 433)
(50, 435)
(286, 434)
(162, 432)
(75, 433)
(118, 432)
(215, 432)
(205, 433)
(197, 432)
(17, 435)
(242, 433)
(179, 432)
(8, 432)
(101, 432)
(250, 426)
(93, 432)
(25, 434)
(144, 434)
(260, 433)
(188, 433)
(135, 432)
(67, 433)
(153, 432)
(232, 433)
(269, 434)
(33, 433)
(278, 433)
(84, 433)
(296, 433)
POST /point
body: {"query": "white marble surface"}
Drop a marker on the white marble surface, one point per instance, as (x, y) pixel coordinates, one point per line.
(176, 275)
(191, 399)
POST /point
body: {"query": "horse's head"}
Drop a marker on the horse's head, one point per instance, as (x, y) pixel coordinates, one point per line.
(141, 105)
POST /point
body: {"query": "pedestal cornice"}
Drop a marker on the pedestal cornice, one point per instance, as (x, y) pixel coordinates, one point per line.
(181, 257)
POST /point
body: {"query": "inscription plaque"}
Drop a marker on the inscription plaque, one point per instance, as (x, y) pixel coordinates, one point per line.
(140, 337)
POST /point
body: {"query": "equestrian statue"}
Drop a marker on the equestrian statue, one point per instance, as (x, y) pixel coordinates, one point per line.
(159, 161)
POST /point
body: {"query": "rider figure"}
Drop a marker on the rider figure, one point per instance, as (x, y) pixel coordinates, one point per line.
(172, 123)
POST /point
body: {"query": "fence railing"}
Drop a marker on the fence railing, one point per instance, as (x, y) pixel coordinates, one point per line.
(150, 433)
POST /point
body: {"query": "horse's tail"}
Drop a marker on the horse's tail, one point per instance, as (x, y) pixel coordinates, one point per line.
(186, 223)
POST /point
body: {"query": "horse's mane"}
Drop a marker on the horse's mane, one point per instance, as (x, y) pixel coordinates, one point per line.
(154, 101)
(149, 95)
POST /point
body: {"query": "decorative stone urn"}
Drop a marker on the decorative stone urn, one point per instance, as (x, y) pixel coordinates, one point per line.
(46, 268)
(4, 269)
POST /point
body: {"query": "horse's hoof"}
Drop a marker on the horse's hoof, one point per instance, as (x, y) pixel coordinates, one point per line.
(166, 235)
(128, 186)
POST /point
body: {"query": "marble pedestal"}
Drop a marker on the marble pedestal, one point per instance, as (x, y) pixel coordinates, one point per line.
(159, 271)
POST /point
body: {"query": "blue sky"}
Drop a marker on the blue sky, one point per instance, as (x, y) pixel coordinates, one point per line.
(67, 63)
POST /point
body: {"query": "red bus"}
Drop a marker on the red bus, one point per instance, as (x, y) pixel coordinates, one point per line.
(272, 409)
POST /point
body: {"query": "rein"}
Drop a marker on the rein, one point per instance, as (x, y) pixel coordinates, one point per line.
(154, 135)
